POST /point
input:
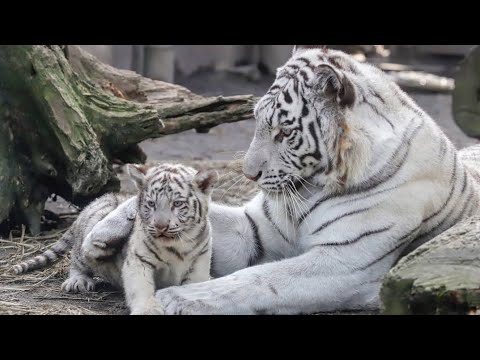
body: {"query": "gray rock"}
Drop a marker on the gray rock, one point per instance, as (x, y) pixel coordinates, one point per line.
(440, 277)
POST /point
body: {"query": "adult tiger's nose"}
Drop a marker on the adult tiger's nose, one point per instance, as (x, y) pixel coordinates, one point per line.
(252, 177)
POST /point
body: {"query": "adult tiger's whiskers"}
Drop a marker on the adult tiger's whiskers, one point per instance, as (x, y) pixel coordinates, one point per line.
(285, 206)
(302, 181)
(240, 155)
(303, 208)
(229, 181)
(294, 209)
(226, 191)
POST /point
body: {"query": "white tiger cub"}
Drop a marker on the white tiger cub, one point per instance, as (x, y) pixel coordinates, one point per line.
(353, 175)
(171, 239)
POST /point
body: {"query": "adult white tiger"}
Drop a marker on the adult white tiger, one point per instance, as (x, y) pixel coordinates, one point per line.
(353, 174)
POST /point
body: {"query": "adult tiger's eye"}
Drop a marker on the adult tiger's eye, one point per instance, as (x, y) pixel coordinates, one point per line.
(151, 203)
(178, 203)
(283, 133)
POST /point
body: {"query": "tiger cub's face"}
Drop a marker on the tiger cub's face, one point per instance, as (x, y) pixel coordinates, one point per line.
(173, 198)
(298, 123)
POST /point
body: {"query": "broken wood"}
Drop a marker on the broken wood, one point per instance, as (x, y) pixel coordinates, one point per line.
(65, 117)
(423, 81)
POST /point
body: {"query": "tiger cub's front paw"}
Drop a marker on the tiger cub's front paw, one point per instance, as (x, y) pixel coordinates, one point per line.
(78, 284)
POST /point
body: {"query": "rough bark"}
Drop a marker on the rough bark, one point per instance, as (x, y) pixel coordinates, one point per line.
(65, 117)
(440, 277)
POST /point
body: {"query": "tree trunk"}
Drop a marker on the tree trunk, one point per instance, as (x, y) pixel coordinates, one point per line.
(65, 117)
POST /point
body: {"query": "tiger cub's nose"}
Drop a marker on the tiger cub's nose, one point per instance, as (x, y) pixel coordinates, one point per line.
(161, 226)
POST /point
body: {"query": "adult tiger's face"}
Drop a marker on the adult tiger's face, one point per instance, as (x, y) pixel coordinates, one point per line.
(299, 123)
(173, 198)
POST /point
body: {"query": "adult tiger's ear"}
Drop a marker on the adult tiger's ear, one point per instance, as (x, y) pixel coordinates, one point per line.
(334, 85)
(205, 181)
(306, 47)
(137, 173)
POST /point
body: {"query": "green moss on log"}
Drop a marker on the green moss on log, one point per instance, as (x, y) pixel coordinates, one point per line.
(61, 128)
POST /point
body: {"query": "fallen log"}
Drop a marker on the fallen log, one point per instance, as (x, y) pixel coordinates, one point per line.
(65, 118)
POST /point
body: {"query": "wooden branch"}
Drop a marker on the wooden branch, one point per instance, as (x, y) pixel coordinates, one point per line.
(423, 81)
(64, 120)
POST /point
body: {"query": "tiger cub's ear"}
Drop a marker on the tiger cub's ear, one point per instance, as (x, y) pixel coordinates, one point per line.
(205, 181)
(137, 172)
(333, 85)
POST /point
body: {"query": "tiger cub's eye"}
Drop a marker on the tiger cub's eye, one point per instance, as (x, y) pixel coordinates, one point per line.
(151, 203)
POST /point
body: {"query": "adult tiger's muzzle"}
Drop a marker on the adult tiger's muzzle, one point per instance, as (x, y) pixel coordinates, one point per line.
(254, 163)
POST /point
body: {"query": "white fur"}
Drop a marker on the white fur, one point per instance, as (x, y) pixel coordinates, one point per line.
(141, 280)
(158, 260)
(301, 267)
(309, 276)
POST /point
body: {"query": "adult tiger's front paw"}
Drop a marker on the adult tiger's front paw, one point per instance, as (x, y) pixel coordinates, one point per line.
(97, 249)
(149, 308)
(192, 299)
(229, 295)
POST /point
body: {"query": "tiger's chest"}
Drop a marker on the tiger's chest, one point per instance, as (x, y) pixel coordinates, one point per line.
(178, 261)
(171, 275)
(277, 232)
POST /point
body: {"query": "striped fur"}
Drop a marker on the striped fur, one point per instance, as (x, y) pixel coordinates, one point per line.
(74, 238)
(50, 256)
(171, 242)
(354, 174)
(99, 240)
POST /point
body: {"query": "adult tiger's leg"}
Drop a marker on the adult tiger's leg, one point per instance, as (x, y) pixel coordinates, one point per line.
(336, 272)
(300, 285)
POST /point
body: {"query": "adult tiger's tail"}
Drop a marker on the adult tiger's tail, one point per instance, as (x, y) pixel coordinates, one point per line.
(47, 258)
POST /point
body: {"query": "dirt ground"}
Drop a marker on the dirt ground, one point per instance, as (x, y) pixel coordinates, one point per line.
(39, 293)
